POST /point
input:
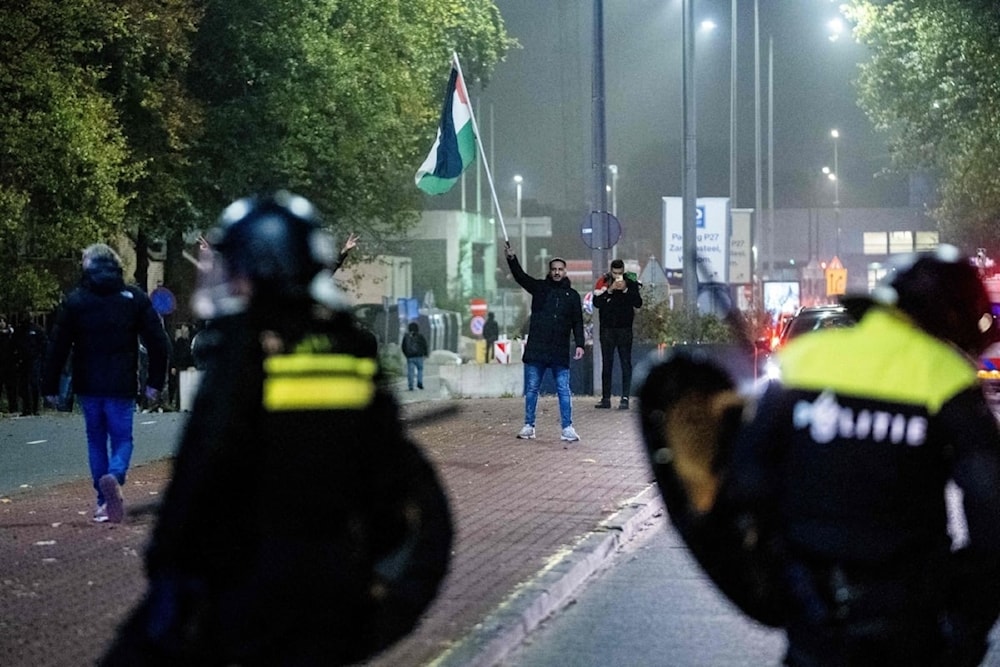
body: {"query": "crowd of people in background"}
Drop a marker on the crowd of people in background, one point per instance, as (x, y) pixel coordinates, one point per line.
(22, 351)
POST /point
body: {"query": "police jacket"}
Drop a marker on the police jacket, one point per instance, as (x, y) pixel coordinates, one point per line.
(618, 307)
(556, 312)
(102, 321)
(299, 511)
(849, 455)
(856, 442)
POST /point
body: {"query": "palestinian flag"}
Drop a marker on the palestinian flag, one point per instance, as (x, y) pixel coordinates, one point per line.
(454, 148)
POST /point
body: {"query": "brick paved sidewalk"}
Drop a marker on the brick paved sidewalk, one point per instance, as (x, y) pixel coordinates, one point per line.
(65, 582)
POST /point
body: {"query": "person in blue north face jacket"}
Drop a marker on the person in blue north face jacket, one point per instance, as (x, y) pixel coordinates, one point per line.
(102, 322)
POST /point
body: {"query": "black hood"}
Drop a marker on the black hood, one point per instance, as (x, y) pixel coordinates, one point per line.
(103, 276)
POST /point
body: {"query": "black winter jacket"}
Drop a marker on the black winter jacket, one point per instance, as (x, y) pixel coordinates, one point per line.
(102, 320)
(414, 345)
(556, 311)
(618, 308)
(849, 456)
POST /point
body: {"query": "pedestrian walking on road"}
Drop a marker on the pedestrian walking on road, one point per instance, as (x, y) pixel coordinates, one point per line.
(102, 323)
(301, 526)
(617, 298)
(415, 350)
(556, 314)
(829, 517)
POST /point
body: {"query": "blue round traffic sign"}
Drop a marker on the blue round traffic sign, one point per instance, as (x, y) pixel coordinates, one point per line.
(163, 300)
(600, 230)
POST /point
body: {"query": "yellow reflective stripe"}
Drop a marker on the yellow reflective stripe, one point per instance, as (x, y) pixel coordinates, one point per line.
(317, 393)
(320, 363)
(318, 382)
(883, 357)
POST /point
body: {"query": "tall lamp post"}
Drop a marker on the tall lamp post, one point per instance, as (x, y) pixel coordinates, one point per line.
(835, 134)
(689, 170)
(613, 169)
(520, 219)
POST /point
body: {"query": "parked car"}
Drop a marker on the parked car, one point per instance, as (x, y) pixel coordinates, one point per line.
(814, 318)
(806, 319)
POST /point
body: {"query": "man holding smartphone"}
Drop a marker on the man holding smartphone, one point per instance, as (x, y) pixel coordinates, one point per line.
(617, 296)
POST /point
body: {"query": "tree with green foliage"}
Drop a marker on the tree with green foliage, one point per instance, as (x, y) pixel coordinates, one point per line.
(333, 100)
(146, 117)
(931, 83)
(63, 156)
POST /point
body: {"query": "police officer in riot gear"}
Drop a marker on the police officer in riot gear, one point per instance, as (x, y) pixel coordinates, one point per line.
(824, 509)
(301, 525)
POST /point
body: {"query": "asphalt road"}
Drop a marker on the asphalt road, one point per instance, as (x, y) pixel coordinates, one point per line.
(653, 607)
(52, 448)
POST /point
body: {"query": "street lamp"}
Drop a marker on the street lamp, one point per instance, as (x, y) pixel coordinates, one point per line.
(836, 28)
(836, 167)
(613, 168)
(835, 177)
(613, 189)
(518, 180)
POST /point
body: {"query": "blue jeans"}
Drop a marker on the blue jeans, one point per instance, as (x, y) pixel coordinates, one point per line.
(415, 364)
(533, 380)
(108, 421)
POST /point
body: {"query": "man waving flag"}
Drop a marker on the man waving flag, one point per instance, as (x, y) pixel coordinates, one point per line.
(454, 148)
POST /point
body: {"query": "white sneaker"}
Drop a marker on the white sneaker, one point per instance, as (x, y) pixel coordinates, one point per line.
(569, 434)
(527, 433)
(101, 513)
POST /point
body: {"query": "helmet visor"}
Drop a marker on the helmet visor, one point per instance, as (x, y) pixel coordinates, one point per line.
(217, 292)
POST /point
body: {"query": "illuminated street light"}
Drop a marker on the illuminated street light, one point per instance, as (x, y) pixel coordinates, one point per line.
(836, 167)
(518, 180)
(835, 134)
(836, 27)
(613, 190)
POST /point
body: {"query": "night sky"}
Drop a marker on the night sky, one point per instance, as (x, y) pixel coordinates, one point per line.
(539, 101)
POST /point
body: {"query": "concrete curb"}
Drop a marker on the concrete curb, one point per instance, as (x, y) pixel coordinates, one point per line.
(552, 587)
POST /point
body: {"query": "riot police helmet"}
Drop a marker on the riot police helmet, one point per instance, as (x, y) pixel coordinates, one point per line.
(268, 251)
(943, 293)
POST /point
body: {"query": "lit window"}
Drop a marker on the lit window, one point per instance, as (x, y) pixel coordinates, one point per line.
(876, 243)
(926, 241)
(900, 242)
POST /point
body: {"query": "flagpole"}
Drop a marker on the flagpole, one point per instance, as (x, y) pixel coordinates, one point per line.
(482, 153)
